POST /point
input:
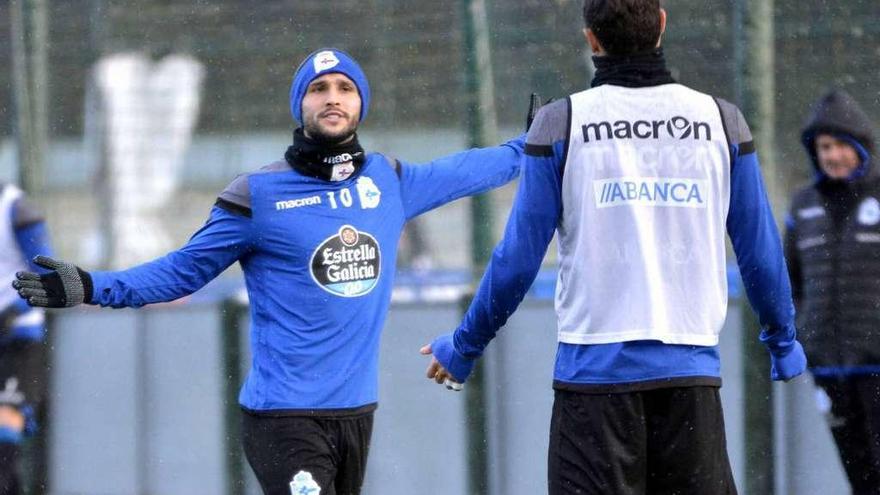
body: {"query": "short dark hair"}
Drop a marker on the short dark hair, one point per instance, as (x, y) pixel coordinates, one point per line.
(624, 27)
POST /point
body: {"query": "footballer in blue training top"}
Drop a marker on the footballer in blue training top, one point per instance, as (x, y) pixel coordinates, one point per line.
(316, 234)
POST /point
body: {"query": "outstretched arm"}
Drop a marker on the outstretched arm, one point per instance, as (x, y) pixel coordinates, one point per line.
(426, 186)
(433, 184)
(517, 258)
(223, 239)
(220, 242)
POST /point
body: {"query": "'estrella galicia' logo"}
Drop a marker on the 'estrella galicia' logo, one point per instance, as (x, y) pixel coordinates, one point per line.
(677, 127)
(348, 263)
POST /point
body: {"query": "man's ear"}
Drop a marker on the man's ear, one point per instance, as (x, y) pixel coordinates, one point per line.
(662, 25)
(593, 41)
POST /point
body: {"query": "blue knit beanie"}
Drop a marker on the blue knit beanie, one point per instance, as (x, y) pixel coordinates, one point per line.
(327, 61)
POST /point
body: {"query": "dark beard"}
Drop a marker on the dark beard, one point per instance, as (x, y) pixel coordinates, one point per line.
(320, 137)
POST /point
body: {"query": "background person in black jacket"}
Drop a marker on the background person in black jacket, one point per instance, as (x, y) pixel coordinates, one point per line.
(833, 250)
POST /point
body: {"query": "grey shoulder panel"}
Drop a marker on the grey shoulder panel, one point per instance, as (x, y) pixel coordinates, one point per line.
(26, 213)
(236, 198)
(237, 193)
(551, 125)
(738, 133)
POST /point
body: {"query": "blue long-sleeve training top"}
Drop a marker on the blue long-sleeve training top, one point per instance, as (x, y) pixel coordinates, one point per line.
(318, 259)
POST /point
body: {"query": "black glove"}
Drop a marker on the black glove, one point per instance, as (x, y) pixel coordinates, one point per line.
(65, 286)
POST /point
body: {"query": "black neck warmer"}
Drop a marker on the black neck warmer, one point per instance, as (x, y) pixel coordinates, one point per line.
(632, 71)
(316, 159)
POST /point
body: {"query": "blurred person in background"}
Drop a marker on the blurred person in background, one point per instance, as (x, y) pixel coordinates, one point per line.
(316, 234)
(23, 235)
(832, 243)
(640, 177)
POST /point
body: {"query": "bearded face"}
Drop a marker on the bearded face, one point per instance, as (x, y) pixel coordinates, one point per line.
(331, 109)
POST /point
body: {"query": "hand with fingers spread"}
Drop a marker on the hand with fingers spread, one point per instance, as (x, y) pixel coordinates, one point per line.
(64, 286)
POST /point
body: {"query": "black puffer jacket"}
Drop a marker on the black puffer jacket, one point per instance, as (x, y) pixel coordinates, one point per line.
(833, 246)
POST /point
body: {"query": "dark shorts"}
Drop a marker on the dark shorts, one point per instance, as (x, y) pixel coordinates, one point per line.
(327, 452)
(855, 425)
(22, 373)
(659, 442)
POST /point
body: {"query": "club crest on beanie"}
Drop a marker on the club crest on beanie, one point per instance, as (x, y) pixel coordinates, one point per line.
(327, 61)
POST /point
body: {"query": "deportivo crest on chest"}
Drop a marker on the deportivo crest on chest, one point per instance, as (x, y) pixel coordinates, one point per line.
(869, 211)
(347, 264)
